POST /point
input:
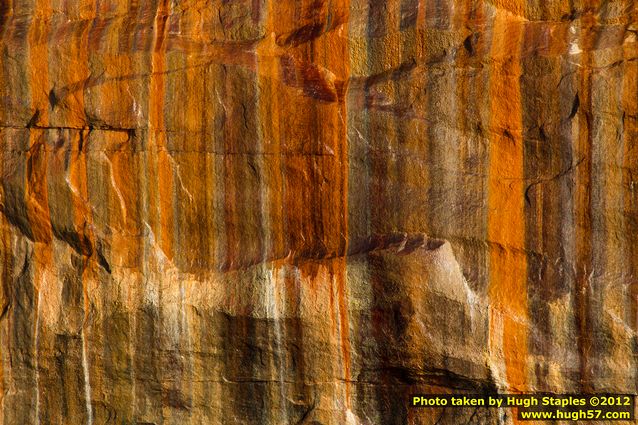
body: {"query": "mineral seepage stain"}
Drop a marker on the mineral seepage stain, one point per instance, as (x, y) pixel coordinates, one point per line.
(303, 212)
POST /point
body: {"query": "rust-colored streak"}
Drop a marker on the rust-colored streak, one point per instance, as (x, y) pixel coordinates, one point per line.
(230, 212)
(165, 211)
(583, 201)
(335, 47)
(39, 64)
(506, 227)
(37, 209)
(308, 76)
(36, 195)
(267, 67)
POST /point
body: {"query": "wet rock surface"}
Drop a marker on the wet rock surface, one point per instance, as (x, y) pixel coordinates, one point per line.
(303, 212)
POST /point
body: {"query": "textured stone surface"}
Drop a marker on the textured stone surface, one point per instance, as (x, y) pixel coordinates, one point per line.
(215, 211)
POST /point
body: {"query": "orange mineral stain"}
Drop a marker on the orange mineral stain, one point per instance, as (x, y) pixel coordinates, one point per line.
(163, 189)
(35, 187)
(306, 71)
(506, 226)
(583, 202)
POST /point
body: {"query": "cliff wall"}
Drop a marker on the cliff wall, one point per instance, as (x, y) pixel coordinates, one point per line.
(303, 211)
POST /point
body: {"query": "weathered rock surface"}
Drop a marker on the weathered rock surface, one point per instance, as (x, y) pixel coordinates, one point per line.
(215, 211)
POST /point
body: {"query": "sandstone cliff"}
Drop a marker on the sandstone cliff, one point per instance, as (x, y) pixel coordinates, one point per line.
(275, 211)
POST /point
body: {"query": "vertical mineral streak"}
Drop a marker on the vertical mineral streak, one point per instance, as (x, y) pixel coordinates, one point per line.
(506, 227)
(335, 46)
(311, 151)
(82, 216)
(161, 180)
(583, 202)
(35, 187)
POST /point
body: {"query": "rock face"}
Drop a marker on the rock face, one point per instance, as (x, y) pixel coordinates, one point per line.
(216, 211)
